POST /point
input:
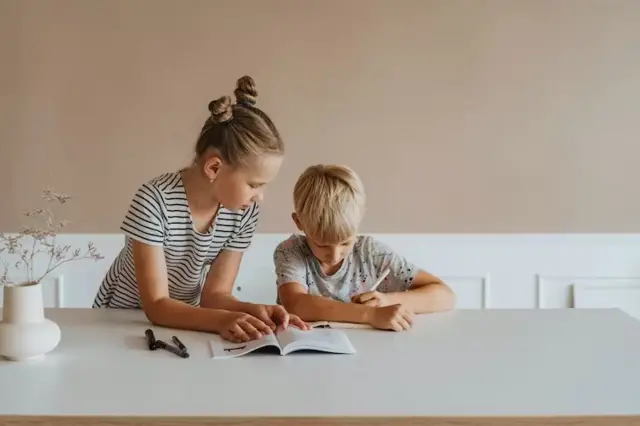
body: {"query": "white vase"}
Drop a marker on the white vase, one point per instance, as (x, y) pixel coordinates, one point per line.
(24, 331)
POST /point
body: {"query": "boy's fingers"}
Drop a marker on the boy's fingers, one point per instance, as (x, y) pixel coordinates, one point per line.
(409, 317)
(404, 323)
(366, 296)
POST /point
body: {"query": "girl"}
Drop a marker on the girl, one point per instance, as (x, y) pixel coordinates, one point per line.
(182, 223)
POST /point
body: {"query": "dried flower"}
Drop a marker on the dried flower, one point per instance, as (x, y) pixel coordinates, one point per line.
(35, 240)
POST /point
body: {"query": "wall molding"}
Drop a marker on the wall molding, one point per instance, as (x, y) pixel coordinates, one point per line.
(622, 293)
(59, 289)
(572, 282)
(487, 271)
(483, 282)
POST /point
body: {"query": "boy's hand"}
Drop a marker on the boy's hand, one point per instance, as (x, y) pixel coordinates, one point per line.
(393, 317)
(375, 299)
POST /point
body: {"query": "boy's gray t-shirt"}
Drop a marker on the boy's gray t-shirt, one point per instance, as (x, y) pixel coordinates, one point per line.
(294, 262)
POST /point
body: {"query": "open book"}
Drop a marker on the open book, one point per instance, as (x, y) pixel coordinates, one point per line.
(290, 340)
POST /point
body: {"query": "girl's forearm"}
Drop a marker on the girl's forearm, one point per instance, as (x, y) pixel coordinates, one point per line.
(224, 301)
(172, 313)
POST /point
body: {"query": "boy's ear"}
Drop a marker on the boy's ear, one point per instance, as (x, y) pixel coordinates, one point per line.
(294, 216)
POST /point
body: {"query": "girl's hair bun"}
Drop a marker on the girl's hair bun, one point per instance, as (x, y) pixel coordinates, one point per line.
(221, 109)
(246, 92)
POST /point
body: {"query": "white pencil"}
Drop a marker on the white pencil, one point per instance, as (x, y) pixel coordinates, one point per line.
(382, 277)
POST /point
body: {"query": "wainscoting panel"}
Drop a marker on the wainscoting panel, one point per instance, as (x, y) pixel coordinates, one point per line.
(472, 292)
(619, 293)
(553, 292)
(52, 292)
(486, 271)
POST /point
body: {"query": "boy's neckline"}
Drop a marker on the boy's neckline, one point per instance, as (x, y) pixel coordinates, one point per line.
(342, 262)
(318, 265)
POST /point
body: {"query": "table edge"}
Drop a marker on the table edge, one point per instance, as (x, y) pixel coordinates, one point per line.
(127, 420)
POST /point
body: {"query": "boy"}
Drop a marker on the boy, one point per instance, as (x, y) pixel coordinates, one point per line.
(327, 274)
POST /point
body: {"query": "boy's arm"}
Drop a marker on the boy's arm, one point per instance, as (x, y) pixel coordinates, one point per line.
(295, 298)
(426, 294)
(406, 284)
(293, 291)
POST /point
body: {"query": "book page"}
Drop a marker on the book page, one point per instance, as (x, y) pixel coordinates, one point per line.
(221, 348)
(319, 339)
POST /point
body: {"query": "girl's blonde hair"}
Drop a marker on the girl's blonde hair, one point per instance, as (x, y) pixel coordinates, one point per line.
(241, 130)
(329, 201)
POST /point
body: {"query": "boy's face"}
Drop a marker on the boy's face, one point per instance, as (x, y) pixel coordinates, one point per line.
(328, 254)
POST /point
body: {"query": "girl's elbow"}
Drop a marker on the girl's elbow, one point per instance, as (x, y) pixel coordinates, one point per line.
(154, 316)
(155, 313)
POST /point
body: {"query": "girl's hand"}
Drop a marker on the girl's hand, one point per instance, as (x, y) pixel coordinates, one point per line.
(240, 327)
(375, 299)
(276, 316)
(394, 317)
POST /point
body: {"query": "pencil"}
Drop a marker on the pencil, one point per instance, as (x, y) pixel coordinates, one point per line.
(379, 281)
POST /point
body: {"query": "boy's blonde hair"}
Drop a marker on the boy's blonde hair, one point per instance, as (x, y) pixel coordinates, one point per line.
(329, 201)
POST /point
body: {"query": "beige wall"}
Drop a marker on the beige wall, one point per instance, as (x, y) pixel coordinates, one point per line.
(460, 115)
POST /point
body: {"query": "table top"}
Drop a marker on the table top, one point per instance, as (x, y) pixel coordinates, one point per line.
(461, 363)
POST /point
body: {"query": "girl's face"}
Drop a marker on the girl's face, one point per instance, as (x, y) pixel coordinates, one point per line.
(236, 188)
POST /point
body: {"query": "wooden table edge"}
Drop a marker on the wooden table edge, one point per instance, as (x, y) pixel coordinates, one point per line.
(75, 420)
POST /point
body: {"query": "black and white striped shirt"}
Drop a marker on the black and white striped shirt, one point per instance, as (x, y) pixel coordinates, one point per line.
(159, 215)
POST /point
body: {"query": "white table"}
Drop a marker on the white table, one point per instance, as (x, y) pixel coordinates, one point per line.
(547, 366)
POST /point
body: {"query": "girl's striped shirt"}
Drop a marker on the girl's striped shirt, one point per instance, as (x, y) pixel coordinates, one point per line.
(160, 216)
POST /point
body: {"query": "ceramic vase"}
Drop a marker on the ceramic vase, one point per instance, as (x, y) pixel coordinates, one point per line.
(24, 331)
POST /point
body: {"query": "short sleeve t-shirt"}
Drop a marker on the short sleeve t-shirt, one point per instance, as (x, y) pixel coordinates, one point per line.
(295, 262)
(159, 215)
